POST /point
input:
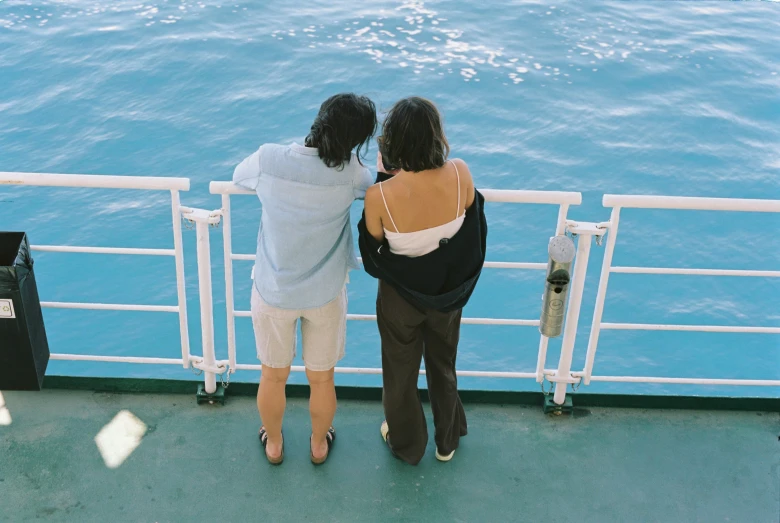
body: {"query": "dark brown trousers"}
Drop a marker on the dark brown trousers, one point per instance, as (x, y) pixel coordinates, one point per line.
(410, 334)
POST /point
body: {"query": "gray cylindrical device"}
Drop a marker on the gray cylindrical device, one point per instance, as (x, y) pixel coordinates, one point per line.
(561, 253)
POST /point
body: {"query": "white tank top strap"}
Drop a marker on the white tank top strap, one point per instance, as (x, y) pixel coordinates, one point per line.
(457, 174)
(388, 208)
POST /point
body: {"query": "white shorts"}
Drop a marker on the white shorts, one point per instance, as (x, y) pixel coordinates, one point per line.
(324, 332)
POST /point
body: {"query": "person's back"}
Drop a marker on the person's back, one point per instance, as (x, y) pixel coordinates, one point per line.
(426, 199)
(436, 234)
(304, 250)
(423, 208)
(304, 246)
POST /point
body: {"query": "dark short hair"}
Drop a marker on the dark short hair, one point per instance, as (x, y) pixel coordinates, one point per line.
(345, 121)
(413, 136)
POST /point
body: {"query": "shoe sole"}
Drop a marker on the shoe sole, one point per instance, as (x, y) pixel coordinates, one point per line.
(272, 461)
(331, 441)
(443, 458)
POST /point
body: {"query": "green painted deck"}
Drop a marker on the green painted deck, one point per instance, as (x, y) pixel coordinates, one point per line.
(204, 463)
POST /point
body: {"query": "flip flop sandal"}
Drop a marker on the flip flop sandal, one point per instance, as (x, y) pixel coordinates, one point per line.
(330, 438)
(263, 435)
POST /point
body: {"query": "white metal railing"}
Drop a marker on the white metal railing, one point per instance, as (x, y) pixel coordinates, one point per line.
(617, 202)
(174, 185)
(561, 376)
(562, 199)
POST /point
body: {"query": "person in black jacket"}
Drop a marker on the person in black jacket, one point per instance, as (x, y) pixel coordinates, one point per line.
(423, 235)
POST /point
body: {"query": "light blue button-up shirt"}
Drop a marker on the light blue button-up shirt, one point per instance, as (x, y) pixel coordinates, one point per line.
(304, 247)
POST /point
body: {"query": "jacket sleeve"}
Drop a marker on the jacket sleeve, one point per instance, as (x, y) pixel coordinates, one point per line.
(483, 223)
(369, 249)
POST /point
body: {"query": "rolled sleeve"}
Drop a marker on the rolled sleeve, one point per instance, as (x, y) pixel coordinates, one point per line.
(247, 174)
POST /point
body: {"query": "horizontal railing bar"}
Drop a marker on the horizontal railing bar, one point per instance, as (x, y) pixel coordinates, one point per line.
(103, 250)
(516, 265)
(690, 203)
(495, 374)
(361, 317)
(697, 272)
(694, 328)
(94, 181)
(464, 321)
(491, 195)
(227, 188)
(115, 359)
(109, 307)
(378, 371)
(682, 381)
(489, 264)
(500, 321)
(535, 197)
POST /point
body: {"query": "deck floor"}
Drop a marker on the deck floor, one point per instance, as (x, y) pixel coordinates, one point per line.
(204, 463)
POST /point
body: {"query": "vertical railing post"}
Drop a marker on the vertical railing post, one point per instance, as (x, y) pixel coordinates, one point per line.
(563, 376)
(180, 281)
(606, 266)
(560, 226)
(206, 304)
(227, 239)
(572, 318)
(541, 358)
(203, 219)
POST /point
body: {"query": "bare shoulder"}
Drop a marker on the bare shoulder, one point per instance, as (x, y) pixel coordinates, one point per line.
(466, 181)
(373, 197)
(463, 167)
(464, 172)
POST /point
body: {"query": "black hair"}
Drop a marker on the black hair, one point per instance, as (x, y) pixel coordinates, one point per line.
(345, 121)
(413, 136)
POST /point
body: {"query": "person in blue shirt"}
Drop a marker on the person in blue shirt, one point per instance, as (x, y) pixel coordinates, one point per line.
(304, 254)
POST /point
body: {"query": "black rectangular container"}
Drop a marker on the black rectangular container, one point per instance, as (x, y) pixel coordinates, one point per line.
(24, 350)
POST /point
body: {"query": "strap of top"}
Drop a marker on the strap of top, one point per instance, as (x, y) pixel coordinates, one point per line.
(388, 209)
(457, 207)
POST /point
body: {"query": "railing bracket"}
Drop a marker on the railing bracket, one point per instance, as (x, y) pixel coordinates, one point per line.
(204, 397)
(550, 407)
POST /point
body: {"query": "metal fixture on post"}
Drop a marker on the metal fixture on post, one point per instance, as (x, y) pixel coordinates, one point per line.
(561, 253)
(560, 403)
(210, 391)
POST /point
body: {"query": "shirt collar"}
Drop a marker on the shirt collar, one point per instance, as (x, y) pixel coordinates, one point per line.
(311, 151)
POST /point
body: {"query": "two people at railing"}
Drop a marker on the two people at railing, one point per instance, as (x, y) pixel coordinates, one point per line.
(422, 235)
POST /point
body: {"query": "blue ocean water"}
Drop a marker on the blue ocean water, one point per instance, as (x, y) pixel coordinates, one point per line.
(641, 97)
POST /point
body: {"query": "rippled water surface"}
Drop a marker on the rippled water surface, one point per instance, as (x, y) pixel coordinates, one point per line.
(661, 97)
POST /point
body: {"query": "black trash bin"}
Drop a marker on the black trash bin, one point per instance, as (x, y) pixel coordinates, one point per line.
(24, 350)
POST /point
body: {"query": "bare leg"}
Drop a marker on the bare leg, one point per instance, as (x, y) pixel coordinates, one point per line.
(271, 402)
(322, 407)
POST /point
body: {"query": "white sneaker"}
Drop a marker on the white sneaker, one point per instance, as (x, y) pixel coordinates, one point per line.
(442, 457)
(383, 430)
